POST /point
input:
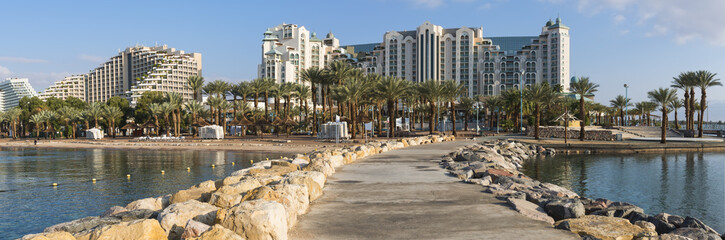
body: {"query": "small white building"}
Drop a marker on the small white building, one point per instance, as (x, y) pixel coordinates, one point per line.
(94, 133)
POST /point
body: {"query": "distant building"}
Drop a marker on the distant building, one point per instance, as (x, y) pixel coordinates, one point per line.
(73, 86)
(288, 49)
(484, 65)
(141, 69)
(12, 90)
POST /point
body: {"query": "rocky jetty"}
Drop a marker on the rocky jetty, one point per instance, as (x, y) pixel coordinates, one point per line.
(495, 166)
(259, 202)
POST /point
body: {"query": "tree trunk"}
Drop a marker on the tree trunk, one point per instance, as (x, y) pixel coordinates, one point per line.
(315, 130)
(692, 108)
(453, 116)
(391, 119)
(664, 125)
(677, 124)
(266, 101)
(431, 122)
(352, 116)
(538, 118)
(380, 118)
(687, 110)
(703, 105)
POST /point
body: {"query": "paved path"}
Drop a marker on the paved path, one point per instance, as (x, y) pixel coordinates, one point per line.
(404, 194)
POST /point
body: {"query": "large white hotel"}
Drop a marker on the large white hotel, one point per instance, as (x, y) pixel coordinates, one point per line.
(485, 65)
(132, 72)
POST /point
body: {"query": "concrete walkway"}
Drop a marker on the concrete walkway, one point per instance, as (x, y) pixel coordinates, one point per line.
(404, 194)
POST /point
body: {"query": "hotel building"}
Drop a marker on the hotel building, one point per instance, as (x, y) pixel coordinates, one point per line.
(484, 65)
(12, 90)
(73, 86)
(140, 69)
(288, 49)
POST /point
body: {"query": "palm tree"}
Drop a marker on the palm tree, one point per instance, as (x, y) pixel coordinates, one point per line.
(214, 103)
(451, 91)
(196, 83)
(583, 87)
(95, 111)
(286, 90)
(339, 71)
(392, 89)
(256, 87)
(194, 107)
(663, 96)
(303, 93)
(648, 108)
(175, 100)
(467, 105)
(156, 110)
(66, 115)
(704, 80)
(620, 102)
(431, 91)
(684, 81)
(13, 115)
(244, 90)
(266, 86)
(224, 107)
(494, 105)
(674, 105)
(166, 109)
(541, 94)
(112, 114)
(37, 119)
(316, 77)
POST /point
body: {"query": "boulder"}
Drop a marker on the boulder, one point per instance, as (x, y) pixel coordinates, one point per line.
(217, 232)
(695, 233)
(558, 191)
(565, 208)
(295, 199)
(660, 225)
(82, 226)
(496, 173)
(194, 229)
(320, 166)
(637, 216)
(530, 210)
(243, 186)
(258, 219)
(135, 215)
(154, 204)
(311, 180)
(301, 162)
(691, 222)
(50, 236)
(600, 227)
(231, 180)
(618, 211)
(262, 192)
(277, 168)
(223, 200)
(200, 192)
(174, 218)
(318, 177)
(648, 226)
(144, 229)
(113, 210)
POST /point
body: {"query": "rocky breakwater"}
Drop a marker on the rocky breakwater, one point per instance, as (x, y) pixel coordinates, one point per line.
(495, 166)
(259, 202)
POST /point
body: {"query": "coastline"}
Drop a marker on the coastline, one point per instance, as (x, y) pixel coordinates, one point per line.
(575, 146)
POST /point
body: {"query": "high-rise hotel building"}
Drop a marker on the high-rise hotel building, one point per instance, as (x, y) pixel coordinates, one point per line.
(288, 49)
(141, 69)
(485, 65)
(73, 86)
(14, 89)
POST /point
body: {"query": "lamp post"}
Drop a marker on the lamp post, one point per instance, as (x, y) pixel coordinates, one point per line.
(478, 124)
(521, 109)
(626, 92)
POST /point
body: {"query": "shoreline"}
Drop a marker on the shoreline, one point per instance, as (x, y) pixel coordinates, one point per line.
(575, 146)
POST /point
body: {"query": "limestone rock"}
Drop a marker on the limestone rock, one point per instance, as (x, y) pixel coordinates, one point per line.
(174, 218)
(530, 210)
(695, 233)
(672, 219)
(309, 179)
(320, 166)
(194, 229)
(200, 192)
(660, 225)
(618, 211)
(691, 222)
(565, 208)
(318, 177)
(295, 199)
(277, 168)
(262, 192)
(217, 232)
(648, 226)
(145, 229)
(154, 204)
(113, 210)
(666, 236)
(600, 227)
(258, 219)
(559, 191)
(83, 225)
(240, 187)
(135, 215)
(223, 200)
(49, 236)
(231, 180)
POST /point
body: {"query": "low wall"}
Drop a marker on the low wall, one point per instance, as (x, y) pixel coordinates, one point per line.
(558, 132)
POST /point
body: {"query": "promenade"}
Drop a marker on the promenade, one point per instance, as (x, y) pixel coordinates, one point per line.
(404, 194)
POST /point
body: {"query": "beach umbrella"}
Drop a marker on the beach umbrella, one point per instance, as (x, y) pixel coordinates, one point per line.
(130, 125)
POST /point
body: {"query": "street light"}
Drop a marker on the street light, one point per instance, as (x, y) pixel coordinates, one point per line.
(478, 124)
(521, 113)
(626, 104)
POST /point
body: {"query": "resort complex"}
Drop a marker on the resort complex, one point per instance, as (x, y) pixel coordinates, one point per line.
(73, 86)
(14, 89)
(484, 65)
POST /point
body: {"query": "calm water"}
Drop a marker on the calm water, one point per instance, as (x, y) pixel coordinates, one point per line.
(28, 203)
(685, 184)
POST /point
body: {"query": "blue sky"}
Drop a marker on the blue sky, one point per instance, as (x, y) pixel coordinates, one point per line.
(640, 42)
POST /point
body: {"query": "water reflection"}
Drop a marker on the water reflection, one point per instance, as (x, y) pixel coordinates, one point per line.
(655, 182)
(26, 175)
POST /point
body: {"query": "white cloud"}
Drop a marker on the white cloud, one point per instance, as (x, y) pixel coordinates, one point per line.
(90, 58)
(4, 72)
(683, 20)
(21, 60)
(619, 18)
(485, 6)
(428, 3)
(624, 32)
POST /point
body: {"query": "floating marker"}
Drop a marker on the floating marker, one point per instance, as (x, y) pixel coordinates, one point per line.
(251, 161)
(54, 184)
(267, 159)
(213, 165)
(93, 180)
(128, 175)
(162, 172)
(232, 163)
(188, 169)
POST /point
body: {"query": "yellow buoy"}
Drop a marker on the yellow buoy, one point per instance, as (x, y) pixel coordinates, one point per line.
(162, 172)
(267, 159)
(188, 169)
(128, 175)
(93, 180)
(251, 161)
(54, 184)
(213, 165)
(232, 163)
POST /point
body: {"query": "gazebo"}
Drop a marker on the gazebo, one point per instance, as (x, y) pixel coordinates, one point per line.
(150, 124)
(130, 126)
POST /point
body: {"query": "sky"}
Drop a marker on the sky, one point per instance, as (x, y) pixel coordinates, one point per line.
(643, 43)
